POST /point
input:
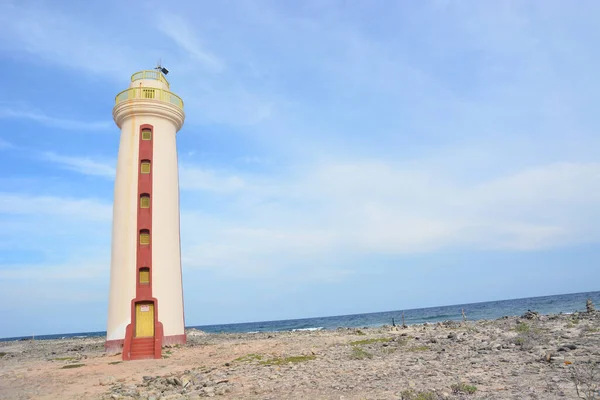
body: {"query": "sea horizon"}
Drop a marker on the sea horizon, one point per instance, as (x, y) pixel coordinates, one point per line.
(483, 310)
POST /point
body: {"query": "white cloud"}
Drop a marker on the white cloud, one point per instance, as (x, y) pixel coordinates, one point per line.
(178, 29)
(330, 74)
(50, 35)
(254, 160)
(73, 270)
(196, 178)
(330, 212)
(77, 280)
(81, 209)
(4, 144)
(564, 183)
(336, 211)
(62, 123)
(83, 165)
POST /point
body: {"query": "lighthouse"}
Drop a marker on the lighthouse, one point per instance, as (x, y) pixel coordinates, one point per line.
(145, 309)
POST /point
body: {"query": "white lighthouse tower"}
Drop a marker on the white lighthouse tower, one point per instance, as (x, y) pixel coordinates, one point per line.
(145, 308)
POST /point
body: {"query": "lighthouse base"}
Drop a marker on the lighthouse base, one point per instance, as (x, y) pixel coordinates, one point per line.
(116, 346)
(174, 339)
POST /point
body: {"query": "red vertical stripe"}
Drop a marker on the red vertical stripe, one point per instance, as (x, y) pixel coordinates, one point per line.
(144, 216)
(134, 348)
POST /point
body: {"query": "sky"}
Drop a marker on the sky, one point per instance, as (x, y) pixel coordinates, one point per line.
(337, 157)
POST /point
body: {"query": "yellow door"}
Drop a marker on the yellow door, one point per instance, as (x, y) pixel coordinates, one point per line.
(144, 320)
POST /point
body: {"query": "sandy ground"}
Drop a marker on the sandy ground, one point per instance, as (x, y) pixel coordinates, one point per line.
(509, 358)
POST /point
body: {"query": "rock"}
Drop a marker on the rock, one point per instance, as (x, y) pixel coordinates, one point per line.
(570, 346)
(589, 305)
(107, 381)
(531, 315)
(221, 390)
(209, 391)
(195, 332)
(452, 335)
(563, 348)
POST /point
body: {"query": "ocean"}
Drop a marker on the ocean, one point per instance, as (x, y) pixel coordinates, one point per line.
(564, 303)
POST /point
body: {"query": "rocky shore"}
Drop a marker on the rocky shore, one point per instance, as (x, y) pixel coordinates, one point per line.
(528, 357)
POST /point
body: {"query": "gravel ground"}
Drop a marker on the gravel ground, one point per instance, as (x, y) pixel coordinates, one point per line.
(530, 357)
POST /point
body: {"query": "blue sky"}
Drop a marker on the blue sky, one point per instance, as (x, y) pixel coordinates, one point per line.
(337, 157)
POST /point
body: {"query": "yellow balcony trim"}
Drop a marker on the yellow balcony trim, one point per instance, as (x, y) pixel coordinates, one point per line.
(149, 74)
(146, 93)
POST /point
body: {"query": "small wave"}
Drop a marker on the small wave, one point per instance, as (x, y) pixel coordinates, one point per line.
(440, 317)
(308, 329)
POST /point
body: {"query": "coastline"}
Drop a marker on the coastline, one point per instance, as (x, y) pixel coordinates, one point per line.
(533, 356)
(566, 303)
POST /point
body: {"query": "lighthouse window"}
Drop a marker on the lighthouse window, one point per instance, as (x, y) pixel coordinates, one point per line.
(144, 236)
(145, 201)
(146, 134)
(148, 93)
(145, 275)
(145, 167)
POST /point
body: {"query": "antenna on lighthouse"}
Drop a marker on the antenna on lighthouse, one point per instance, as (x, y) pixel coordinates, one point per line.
(160, 68)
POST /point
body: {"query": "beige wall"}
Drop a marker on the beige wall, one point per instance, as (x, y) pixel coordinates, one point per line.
(166, 255)
(122, 266)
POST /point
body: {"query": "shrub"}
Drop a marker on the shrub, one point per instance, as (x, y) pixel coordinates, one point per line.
(249, 357)
(72, 366)
(463, 388)
(359, 354)
(586, 377)
(371, 341)
(286, 360)
(419, 348)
